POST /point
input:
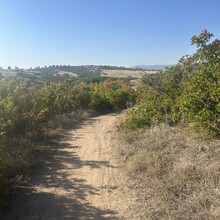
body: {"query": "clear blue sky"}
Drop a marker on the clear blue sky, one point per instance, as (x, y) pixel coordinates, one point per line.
(113, 32)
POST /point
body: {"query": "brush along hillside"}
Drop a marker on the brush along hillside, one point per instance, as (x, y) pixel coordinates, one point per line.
(170, 148)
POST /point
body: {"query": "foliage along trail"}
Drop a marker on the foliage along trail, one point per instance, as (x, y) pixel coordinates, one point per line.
(76, 181)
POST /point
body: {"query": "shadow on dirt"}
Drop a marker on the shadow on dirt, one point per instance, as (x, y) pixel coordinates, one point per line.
(53, 192)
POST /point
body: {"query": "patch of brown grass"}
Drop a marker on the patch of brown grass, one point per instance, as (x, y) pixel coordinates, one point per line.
(173, 176)
(127, 73)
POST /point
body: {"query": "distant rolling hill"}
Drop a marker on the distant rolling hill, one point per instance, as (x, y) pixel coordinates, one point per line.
(88, 73)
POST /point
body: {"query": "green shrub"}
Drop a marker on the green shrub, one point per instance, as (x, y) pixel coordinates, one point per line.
(188, 92)
(110, 94)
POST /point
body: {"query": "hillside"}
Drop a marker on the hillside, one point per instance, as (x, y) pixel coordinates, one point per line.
(60, 72)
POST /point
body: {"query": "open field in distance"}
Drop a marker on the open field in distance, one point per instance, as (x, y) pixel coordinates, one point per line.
(61, 73)
(127, 73)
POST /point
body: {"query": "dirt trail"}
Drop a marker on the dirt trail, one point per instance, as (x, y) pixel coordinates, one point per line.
(76, 179)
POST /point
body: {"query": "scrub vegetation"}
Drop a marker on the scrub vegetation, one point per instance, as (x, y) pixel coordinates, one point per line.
(29, 108)
(170, 140)
(187, 93)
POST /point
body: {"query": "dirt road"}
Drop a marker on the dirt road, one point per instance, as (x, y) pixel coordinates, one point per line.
(76, 180)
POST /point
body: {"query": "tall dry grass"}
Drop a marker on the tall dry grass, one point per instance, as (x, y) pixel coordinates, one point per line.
(172, 175)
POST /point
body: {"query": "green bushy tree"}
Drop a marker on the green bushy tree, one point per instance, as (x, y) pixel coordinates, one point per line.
(199, 100)
(111, 94)
(188, 91)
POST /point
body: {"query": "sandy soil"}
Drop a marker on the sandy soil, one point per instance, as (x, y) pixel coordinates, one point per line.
(77, 180)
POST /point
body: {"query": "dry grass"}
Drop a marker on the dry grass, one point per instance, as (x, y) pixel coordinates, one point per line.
(173, 176)
(61, 73)
(127, 73)
(8, 73)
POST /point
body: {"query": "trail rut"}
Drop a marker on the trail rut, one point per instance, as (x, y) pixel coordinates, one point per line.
(76, 179)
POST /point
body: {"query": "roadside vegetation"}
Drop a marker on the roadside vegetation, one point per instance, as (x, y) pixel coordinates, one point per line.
(29, 108)
(170, 140)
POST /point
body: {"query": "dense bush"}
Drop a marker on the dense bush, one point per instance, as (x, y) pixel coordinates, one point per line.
(189, 91)
(110, 94)
(200, 98)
